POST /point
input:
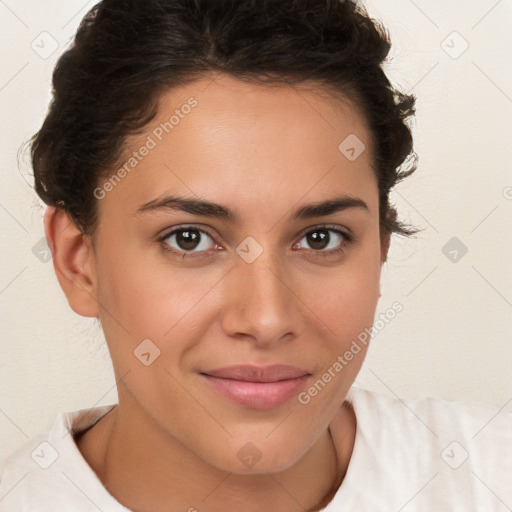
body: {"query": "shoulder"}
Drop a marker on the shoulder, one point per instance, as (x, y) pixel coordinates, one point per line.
(431, 451)
(48, 473)
(431, 416)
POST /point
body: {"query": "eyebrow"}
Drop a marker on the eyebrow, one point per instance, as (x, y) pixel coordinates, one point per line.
(214, 210)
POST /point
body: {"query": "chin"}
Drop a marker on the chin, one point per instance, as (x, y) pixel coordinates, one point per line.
(248, 458)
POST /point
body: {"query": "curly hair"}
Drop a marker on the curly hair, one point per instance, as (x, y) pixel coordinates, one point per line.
(126, 53)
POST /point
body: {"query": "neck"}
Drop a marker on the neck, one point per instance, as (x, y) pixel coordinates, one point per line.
(146, 469)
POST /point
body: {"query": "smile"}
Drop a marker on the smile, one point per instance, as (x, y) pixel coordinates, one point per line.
(257, 388)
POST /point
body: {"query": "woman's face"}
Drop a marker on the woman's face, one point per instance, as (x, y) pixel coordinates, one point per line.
(262, 286)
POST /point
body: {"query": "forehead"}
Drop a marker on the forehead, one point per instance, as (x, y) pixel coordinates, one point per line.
(228, 140)
(227, 105)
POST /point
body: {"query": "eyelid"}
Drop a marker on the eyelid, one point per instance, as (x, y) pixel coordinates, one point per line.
(340, 229)
(166, 233)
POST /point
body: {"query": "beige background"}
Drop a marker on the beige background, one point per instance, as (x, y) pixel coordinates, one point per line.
(453, 338)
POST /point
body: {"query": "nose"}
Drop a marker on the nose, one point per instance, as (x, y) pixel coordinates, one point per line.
(263, 303)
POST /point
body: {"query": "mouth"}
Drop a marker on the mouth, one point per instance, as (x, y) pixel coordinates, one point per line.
(257, 387)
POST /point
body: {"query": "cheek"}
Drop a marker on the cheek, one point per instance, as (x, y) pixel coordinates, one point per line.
(147, 296)
(345, 299)
(150, 297)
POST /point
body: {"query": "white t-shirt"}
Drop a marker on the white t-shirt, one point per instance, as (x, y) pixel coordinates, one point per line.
(409, 455)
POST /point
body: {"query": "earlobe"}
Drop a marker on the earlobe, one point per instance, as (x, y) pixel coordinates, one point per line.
(73, 260)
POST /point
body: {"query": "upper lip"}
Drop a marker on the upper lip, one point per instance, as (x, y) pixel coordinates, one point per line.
(253, 373)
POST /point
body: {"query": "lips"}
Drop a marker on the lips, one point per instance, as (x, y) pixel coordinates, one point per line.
(250, 373)
(257, 387)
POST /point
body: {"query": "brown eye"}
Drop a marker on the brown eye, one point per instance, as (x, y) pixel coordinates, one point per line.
(324, 241)
(318, 239)
(189, 240)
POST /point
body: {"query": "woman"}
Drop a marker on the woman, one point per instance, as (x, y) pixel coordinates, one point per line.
(217, 177)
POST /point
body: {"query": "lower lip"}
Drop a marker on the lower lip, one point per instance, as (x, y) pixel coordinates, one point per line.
(257, 395)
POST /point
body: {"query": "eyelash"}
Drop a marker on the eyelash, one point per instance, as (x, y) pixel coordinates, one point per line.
(348, 240)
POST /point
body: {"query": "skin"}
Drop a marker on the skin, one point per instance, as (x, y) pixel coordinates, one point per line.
(172, 442)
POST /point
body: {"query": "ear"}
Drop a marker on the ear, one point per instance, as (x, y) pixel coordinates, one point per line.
(73, 260)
